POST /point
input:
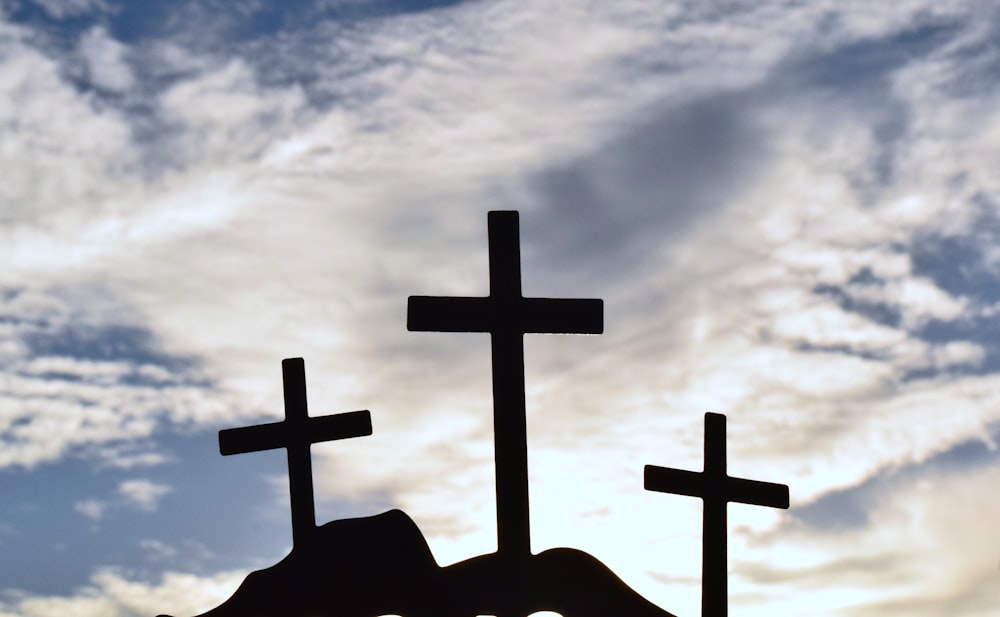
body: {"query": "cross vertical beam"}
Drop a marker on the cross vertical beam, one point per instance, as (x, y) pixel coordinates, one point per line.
(506, 315)
(510, 431)
(716, 488)
(296, 433)
(297, 450)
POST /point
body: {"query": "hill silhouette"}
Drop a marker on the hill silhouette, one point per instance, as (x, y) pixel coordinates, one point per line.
(381, 565)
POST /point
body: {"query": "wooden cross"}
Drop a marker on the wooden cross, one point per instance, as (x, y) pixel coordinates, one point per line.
(716, 489)
(296, 433)
(507, 316)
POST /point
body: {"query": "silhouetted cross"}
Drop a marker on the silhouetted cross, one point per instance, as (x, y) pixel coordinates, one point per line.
(716, 489)
(296, 433)
(507, 316)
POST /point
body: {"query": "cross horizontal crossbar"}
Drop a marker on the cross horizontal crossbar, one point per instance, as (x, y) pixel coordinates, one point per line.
(491, 314)
(695, 484)
(280, 434)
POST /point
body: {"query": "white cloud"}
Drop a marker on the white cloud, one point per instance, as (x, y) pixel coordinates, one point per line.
(91, 508)
(225, 115)
(43, 419)
(924, 551)
(92, 394)
(63, 155)
(157, 550)
(60, 9)
(127, 455)
(921, 300)
(959, 353)
(821, 322)
(91, 370)
(110, 594)
(93, 606)
(105, 59)
(143, 494)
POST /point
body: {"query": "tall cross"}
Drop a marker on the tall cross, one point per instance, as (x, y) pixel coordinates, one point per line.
(717, 489)
(507, 316)
(296, 433)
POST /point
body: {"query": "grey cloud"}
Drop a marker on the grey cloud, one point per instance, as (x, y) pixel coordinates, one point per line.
(842, 509)
(975, 597)
(976, 58)
(647, 187)
(960, 262)
(106, 61)
(859, 69)
(683, 162)
(855, 571)
(850, 508)
(853, 82)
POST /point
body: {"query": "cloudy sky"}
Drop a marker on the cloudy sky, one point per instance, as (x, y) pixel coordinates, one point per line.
(790, 210)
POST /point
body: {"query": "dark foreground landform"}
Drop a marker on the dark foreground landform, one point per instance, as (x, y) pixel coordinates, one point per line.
(381, 565)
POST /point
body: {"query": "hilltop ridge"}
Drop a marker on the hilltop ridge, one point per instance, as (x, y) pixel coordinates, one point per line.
(381, 565)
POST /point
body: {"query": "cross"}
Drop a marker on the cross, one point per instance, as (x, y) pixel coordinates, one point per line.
(507, 316)
(716, 488)
(296, 433)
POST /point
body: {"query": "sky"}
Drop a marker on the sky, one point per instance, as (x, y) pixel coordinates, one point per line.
(790, 210)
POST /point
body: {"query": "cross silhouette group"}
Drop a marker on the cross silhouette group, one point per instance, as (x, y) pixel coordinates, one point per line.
(507, 316)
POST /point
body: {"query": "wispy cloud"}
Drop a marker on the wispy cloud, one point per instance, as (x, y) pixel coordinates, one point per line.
(91, 508)
(138, 493)
(111, 593)
(60, 9)
(926, 529)
(143, 494)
